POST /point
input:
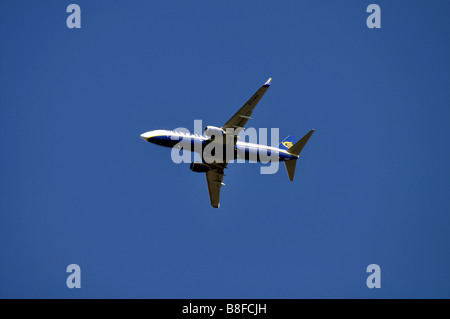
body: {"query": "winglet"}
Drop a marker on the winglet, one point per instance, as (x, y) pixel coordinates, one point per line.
(267, 84)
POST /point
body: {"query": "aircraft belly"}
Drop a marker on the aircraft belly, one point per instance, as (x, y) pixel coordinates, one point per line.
(257, 154)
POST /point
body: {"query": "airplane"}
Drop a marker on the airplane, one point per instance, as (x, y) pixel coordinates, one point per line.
(227, 137)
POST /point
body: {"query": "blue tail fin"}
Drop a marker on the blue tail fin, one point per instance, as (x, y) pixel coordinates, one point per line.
(287, 143)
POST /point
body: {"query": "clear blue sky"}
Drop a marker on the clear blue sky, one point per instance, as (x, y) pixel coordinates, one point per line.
(79, 186)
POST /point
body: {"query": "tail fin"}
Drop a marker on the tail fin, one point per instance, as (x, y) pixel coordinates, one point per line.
(296, 149)
(287, 143)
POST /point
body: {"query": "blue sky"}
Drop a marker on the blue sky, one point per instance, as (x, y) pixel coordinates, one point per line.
(79, 186)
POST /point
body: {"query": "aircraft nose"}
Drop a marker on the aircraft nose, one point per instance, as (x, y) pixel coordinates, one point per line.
(144, 136)
(150, 135)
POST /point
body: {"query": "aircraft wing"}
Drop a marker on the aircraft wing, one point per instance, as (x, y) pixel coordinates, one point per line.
(238, 120)
(214, 179)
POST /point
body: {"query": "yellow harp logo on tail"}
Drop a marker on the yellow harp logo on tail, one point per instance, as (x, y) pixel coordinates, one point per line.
(287, 144)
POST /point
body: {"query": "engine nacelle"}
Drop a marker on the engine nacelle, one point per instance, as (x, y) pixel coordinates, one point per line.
(213, 130)
(199, 167)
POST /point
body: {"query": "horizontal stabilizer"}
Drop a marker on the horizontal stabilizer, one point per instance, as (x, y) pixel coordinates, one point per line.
(297, 147)
(290, 168)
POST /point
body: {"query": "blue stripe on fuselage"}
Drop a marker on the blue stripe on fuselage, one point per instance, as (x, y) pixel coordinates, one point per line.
(252, 152)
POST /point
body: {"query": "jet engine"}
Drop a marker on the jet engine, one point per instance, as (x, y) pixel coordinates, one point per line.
(199, 167)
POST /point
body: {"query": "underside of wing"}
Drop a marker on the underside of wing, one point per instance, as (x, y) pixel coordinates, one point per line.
(214, 179)
(238, 120)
